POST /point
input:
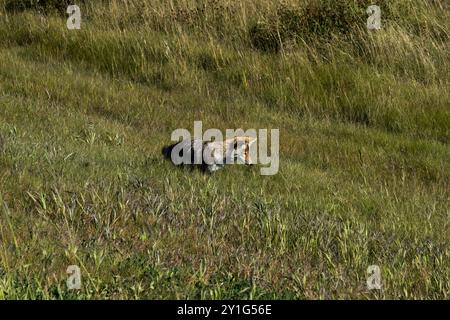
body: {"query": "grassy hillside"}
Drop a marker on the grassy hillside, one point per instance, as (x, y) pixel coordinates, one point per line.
(364, 178)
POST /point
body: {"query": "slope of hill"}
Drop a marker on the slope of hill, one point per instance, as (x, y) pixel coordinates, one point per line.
(364, 119)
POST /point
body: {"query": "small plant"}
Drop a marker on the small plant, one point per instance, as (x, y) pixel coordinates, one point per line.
(264, 37)
(325, 17)
(310, 19)
(43, 6)
(2, 143)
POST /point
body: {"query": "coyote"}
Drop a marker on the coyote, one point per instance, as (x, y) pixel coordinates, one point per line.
(217, 153)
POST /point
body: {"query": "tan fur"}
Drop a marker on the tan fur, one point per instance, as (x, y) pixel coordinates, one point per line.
(238, 142)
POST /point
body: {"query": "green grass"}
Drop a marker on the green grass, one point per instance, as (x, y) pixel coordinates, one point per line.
(364, 178)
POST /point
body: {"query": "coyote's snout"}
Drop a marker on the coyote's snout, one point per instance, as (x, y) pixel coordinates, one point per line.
(211, 155)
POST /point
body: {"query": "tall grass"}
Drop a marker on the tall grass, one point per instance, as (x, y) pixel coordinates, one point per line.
(364, 178)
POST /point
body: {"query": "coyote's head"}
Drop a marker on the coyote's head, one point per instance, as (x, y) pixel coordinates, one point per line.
(240, 148)
(234, 150)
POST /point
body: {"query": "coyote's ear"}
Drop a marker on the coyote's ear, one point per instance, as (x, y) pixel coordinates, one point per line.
(251, 141)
